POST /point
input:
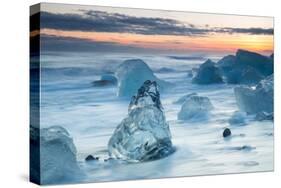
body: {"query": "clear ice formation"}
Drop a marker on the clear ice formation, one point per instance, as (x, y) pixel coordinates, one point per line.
(208, 73)
(256, 99)
(57, 155)
(144, 134)
(195, 108)
(132, 73)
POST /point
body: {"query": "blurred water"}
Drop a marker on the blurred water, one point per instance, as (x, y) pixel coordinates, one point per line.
(91, 114)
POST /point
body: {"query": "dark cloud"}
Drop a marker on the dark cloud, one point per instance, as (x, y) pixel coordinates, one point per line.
(112, 22)
(70, 44)
(252, 31)
(100, 21)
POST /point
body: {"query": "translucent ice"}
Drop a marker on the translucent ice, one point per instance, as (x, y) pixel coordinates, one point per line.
(262, 64)
(208, 73)
(131, 74)
(244, 75)
(144, 134)
(110, 78)
(245, 67)
(195, 107)
(226, 62)
(58, 155)
(250, 76)
(256, 99)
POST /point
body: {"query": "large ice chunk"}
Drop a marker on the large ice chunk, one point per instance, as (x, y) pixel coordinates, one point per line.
(262, 64)
(256, 99)
(57, 156)
(226, 63)
(144, 134)
(247, 75)
(250, 76)
(208, 73)
(245, 67)
(132, 73)
(195, 108)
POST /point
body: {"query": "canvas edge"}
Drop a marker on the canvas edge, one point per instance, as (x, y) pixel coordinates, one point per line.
(34, 94)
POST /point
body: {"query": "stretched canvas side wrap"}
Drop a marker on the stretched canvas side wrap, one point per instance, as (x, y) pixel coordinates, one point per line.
(125, 94)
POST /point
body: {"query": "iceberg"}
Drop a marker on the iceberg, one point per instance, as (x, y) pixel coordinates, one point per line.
(110, 78)
(226, 63)
(208, 73)
(245, 67)
(262, 64)
(256, 99)
(144, 134)
(233, 76)
(195, 107)
(246, 75)
(132, 73)
(58, 155)
(250, 76)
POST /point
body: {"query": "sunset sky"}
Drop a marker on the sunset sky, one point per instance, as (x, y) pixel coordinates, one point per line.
(109, 29)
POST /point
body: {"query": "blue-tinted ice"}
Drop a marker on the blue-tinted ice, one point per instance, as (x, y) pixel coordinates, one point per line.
(144, 134)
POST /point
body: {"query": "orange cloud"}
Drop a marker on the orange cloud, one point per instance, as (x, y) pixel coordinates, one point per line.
(212, 42)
